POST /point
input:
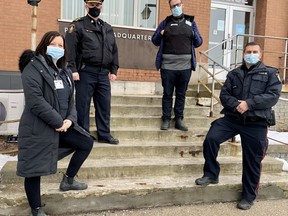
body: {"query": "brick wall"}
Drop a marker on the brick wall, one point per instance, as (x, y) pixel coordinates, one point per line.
(16, 24)
(271, 20)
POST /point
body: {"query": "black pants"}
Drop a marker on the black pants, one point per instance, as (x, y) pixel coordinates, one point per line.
(81, 146)
(178, 80)
(254, 145)
(94, 83)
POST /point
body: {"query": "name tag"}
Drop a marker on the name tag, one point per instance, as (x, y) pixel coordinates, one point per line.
(174, 24)
(188, 22)
(58, 84)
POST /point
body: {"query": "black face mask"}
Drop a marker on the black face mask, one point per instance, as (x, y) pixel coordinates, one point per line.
(94, 12)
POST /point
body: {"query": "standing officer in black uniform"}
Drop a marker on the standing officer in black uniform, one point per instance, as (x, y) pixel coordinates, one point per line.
(247, 96)
(93, 58)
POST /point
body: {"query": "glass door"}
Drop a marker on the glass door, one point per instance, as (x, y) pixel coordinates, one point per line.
(225, 22)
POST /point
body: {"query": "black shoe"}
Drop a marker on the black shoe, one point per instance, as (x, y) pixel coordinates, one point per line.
(165, 125)
(179, 124)
(205, 180)
(38, 212)
(244, 204)
(109, 140)
(69, 183)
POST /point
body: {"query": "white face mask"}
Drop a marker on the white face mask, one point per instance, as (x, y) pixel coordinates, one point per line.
(55, 52)
(252, 58)
(176, 11)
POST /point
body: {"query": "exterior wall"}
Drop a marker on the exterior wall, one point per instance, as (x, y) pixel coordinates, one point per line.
(271, 20)
(16, 23)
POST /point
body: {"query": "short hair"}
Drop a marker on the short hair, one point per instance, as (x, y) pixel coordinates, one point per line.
(171, 0)
(45, 41)
(252, 43)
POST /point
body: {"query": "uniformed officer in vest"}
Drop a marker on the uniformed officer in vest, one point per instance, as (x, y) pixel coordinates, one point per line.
(93, 59)
(177, 37)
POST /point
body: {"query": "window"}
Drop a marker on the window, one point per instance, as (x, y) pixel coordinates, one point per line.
(134, 13)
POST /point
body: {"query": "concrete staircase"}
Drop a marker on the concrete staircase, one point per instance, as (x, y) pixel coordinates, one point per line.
(148, 168)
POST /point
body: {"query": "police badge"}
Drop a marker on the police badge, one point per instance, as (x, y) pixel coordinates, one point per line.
(71, 28)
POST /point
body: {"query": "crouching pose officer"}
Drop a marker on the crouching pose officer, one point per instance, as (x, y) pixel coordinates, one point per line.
(248, 94)
(93, 59)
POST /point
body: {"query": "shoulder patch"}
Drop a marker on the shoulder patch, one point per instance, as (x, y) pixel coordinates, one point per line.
(78, 19)
(71, 28)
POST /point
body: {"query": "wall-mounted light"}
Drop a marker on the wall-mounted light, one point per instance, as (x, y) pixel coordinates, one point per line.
(147, 11)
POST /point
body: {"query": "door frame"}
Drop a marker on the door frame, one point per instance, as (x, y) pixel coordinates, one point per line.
(230, 8)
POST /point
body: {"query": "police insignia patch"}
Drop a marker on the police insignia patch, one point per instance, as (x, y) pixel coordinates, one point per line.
(71, 28)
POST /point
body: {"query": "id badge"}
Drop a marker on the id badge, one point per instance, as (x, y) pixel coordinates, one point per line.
(58, 84)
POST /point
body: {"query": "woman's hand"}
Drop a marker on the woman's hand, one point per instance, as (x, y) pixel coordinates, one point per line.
(66, 124)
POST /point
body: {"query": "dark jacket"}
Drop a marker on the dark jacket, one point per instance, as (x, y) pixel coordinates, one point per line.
(157, 40)
(37, 138)
(83, 44)
(260, 88)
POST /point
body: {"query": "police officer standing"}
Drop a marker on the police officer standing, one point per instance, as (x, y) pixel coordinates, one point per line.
(93, 58)
(247, 96)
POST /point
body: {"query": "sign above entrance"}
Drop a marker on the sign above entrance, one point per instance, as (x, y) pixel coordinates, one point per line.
(136, 51)
(240, 2)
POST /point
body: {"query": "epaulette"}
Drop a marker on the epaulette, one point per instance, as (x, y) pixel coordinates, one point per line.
(270, 67)
(78, 19)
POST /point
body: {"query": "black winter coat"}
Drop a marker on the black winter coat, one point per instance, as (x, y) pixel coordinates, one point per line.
(260, 88)
(84, 44)
(37, 138)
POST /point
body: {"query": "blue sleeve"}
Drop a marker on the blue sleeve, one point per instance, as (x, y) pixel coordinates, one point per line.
(157, 37)
(197, 41)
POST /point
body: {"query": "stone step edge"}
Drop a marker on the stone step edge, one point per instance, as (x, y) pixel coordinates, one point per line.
(120, 166)
(120, 193)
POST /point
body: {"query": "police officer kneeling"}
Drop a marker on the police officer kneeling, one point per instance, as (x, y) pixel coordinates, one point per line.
(247, 96)
(93, 58)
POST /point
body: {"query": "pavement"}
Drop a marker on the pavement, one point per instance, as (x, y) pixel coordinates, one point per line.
(263, 208)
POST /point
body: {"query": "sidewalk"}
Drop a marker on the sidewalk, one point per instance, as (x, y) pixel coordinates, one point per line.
(263, 208)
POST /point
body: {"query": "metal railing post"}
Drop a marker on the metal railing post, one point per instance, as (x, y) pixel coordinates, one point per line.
(213, 90)
(285, 60)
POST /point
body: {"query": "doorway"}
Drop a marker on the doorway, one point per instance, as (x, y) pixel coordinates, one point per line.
(227, 21)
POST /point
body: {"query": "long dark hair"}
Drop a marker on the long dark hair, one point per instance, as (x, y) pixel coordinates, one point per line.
(45, 41)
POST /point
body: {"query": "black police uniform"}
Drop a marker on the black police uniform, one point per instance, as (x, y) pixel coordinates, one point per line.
(93, 53)
(260, 87)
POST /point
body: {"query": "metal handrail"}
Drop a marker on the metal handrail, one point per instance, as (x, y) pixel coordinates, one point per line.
(214, 64)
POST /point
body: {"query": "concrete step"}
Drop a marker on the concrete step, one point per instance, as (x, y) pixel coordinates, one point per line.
(142, 167)
(155, 134)
(152, 110)
(144, 100)
(147, 192)
(152, 121)
(132, 148)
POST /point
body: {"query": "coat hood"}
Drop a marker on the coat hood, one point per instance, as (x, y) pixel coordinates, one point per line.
(25, 58)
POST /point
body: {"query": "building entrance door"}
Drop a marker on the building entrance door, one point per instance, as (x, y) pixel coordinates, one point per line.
(225, 22)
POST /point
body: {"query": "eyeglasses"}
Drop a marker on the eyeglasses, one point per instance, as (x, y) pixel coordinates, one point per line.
(92, 5)
(178, 5)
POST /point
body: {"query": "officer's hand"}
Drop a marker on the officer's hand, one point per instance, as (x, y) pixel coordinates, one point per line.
(112, 77)
(76, 76)
(242, 107)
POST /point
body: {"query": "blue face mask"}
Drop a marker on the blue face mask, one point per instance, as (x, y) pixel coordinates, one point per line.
(252, 58)
(176, 11)
(55, 52)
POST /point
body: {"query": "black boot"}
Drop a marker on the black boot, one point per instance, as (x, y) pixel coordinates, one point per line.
(165, 125)
(69, 183)
(179, 124)
(38, 212)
